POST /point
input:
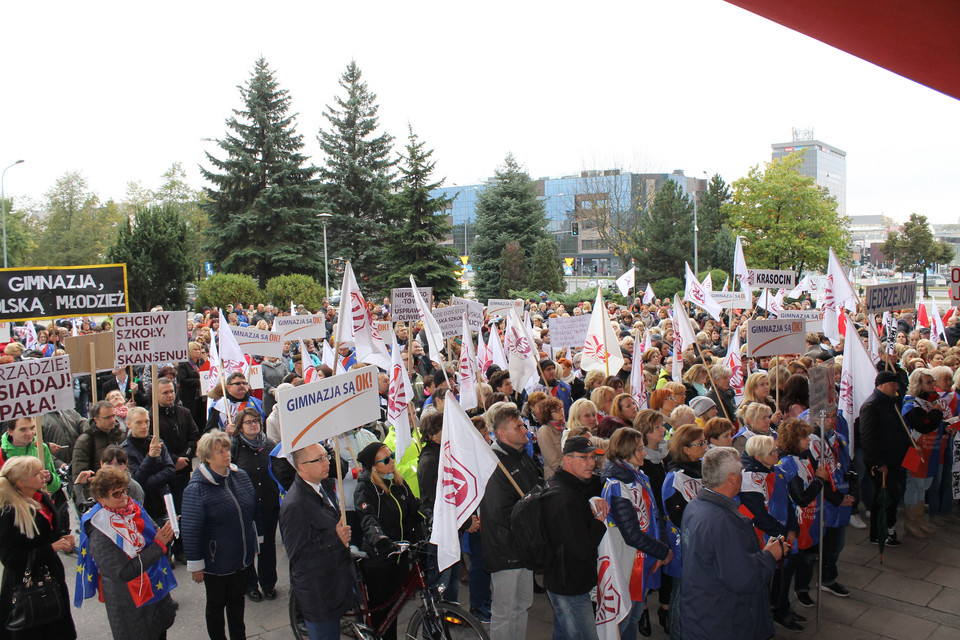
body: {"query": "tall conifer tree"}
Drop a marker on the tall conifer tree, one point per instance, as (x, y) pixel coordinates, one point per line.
(262, 214)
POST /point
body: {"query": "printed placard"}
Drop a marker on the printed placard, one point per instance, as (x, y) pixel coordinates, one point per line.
(258, 342)
(771, 279)
(313, 326)
(403, 306)
(502, 306)
(385, 329)
(775, 337)
(450, 320)
(813, 317)
(823, 392)
(955, 286)
(35, 387)
(256, 376)
(154, 337)
(314, 412)
(732, 299)
(35, 293)
(568, 332)
(892, 296)
(475, 319)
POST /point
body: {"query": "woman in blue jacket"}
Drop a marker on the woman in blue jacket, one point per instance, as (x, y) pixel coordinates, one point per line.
(220, 533)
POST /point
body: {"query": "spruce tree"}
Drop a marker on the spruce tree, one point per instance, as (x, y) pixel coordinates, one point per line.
(716, 239)
(545, 269)
(513, 269)
(421, 225)
(262, 217)
(507, 211)
(357, 178)
(665, 238)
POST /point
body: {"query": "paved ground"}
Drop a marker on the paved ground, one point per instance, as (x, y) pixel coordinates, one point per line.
(913, 595)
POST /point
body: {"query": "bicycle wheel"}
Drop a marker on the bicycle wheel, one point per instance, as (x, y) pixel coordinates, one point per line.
(451, 623)
(297, 623)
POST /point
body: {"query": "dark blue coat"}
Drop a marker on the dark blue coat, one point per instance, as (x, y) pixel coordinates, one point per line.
(219, 521)
(726, 576)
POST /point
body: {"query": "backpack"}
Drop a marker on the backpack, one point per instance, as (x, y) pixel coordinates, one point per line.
(528, 532)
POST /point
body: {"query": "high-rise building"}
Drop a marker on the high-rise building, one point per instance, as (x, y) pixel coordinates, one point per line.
(824, 163)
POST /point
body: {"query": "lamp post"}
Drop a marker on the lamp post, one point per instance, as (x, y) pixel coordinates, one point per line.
(326, 264)
(3, 206)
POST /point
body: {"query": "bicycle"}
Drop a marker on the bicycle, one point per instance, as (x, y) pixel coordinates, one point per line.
(434, 619)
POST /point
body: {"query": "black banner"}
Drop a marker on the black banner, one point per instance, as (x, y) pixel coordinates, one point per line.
(38, 293)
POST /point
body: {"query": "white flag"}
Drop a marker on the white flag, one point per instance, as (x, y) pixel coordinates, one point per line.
(803, 285)
(468, 374)
(708, 282)
(484, 356)
(30, 336)
(73, 328)
(637, 387)
(734, 362)
(857, 375)
(831, 313)
(843, 293)
(497, 354)
(327, 356)
(770, 302)
(627, 281)
(873, 341)
(601, 348)
(683, 337)
(434, 334)
(613, 591)
(356, 326)
(695, 292)
(647, 341)
(740, 268)
(231, 357)
(938, 328)
(293, 309)
(466, 463)
(398, 395)
(726, 284)
(521, 360)
(648, 294)
(307, 367)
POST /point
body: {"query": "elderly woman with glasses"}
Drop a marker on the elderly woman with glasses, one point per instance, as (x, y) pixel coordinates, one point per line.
(388, 512)
(219, 533)
(250, 451)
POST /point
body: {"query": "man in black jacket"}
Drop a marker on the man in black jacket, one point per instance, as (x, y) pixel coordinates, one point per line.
(179, 433)
(572, 500)
(512, 581)
(322, 577)
(885, 442)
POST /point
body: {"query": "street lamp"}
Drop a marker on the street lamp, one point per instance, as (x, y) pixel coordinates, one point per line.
(326, 264)
(3, 206)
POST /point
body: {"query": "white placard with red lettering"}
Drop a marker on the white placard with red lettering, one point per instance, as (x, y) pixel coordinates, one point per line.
(258, 342)
(775, 337)
(313, 326)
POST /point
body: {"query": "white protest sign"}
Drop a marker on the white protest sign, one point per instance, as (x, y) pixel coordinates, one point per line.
(731, 299)
(34, 387)
(568, 332)
(813, 317)
(403, 307)
(475, 319)
(320, 410)
(823, 392)
(385, 329)
(771, 279)
(4, 332)
(955, 286)
(256, 376)
(150, 338)
(892, 296)
(303, 326)
(502, 306)
(450, 320)
(258, 342)
(204, 381)
(775, 337)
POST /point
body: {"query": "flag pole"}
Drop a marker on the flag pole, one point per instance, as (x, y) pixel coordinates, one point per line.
(343, 508)
(702, 356)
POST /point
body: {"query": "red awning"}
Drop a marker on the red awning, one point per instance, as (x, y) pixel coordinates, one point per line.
(917, 40)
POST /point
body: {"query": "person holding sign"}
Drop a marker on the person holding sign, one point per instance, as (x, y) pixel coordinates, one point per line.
(223, 415)
(20, 439)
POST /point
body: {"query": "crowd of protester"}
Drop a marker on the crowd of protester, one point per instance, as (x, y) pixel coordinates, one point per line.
(718, 463)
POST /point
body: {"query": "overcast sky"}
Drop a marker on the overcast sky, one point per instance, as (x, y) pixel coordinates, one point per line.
(120, 91)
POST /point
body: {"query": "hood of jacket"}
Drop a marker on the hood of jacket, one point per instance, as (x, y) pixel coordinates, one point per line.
(205, 475)
(752, 464)
(619, 470)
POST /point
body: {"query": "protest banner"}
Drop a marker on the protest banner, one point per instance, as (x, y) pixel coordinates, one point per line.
(258, 342)
(385, 329)
(955, 286)
(303, 326)
(256, 376)
(320, 410)
(891, 296)
(813, 318)
(150, 338)
(568, 332)
(35, 387)
(732, 299)
(78, 348)
(823, 392)
(475, 319)
(775, 337)
(35, 293)
(403, 306)
(771, 279)
(502, 306)
(450, 320)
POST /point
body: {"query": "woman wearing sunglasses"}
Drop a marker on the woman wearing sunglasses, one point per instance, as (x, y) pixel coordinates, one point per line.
(388, 512)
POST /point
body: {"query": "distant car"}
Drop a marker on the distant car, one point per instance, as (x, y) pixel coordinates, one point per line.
(334, 298)
(936, 280)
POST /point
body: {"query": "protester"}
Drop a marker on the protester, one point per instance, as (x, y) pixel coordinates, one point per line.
(115, 456)
(219, 533)
(549, 414)
(149, 463)
(622, 412)
(29, 539)
(20, 439)
(925, 418)
(725, 573)
(223, 415)
(101, 434)
(757, 419)
(188, 381)
(125, 562)
(62, 428)
(180, 434)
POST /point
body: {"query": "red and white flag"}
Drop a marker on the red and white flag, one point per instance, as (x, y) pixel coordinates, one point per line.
(430, 326)
(726, 284)
(601, 348)
(699, 295)
(398, 395)
(708, 282)
(734, 362)
(939, 331)
(831, 313)
(740, 268)
(923, 319)
(484, 356)
(356, 325)
(231, 357)
(30, 336)
(627, 281)
(307, 367)
(495, 346)
(873, 339)
(648, 295)
(638, 389)
(466, 463)
(468, 373)
(683, 337)
(797, 291)
(613, 591)
(521, 360)
(843, 293)
(857, 375)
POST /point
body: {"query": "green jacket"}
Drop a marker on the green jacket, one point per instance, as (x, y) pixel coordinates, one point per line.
(10, 451)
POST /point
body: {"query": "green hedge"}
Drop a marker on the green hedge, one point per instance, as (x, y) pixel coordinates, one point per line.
(298, 288)
(227, 288)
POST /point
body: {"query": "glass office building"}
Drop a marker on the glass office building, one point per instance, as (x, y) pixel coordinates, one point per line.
(824, 163)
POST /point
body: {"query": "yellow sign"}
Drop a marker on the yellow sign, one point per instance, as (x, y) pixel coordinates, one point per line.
(569, 261)
(464, 259)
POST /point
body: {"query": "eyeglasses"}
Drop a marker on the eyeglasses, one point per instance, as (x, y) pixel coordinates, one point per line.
(238, 384)
(588, 457)
(698, 443)
(109, 417)
(320, 459)
(387, 459)
(119, 493)
(250, 423)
